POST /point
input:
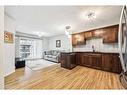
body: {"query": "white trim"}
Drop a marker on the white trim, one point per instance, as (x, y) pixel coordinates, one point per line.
(9, 73)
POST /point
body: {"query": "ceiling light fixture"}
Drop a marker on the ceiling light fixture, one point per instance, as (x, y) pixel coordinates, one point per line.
(67, 28)
(91, 15)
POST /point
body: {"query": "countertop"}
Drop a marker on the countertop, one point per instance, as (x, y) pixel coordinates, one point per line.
(89, 52)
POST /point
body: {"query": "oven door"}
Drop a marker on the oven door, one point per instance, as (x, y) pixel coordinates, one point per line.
(122, 39)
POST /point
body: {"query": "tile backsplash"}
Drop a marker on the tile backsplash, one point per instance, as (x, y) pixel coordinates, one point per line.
(98, 46)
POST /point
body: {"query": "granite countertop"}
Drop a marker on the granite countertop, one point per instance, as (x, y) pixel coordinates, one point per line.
(88, 52)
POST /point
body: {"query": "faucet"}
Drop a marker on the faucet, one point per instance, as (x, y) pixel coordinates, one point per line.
(93, 48)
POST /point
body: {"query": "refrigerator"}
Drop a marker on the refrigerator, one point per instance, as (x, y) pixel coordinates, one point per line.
(122, 44)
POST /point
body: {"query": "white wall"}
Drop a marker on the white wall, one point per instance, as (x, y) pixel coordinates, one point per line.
(9, 58)
(17, 43)
(1, 47)
(65, 43)
(39, 48)
(45, 44)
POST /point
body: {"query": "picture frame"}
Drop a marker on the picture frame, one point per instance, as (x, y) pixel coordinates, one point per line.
(8, 37)
(58, 43)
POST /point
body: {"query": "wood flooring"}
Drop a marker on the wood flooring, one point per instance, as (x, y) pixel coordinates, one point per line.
(55, 77)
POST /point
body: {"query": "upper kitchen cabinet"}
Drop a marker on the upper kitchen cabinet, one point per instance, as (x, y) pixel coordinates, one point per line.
(110, 34)
(88, 35)
(78, 39)
(97, 33)
(74, 40)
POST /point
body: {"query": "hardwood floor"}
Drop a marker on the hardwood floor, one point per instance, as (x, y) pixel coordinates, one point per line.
(55, 77)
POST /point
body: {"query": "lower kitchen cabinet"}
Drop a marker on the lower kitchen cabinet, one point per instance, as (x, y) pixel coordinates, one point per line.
(103, 61)
(111, 62)
(96, 61)
(86, 60)
(78, 58)
(91, 60)
(68, 60)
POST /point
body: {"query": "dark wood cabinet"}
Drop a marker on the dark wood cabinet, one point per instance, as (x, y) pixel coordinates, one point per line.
(68, 60)
(74, 40)
(78, 39)
(78, 58)
(97, 33)
(86, 60)
(110, 34)
(96, 61)
(116, 63)
(111, 62)
(88, 35)
(103, 61)
(106, 62)
(91, 60)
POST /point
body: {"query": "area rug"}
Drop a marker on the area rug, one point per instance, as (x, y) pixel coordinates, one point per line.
(39, 64)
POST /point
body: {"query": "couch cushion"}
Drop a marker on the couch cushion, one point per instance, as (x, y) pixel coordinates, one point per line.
(48, 52)
(53, 56)
(54, 52)
(50, 56)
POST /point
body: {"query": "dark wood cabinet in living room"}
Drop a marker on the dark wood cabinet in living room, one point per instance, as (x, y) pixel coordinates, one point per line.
(78, 58)
(111, 62)
(91, 60)
(68, 60)
(96, 60)
(86, 60)
(110, 34)
(104, 61)
(98, 33)
(78, 39)
(88, 34)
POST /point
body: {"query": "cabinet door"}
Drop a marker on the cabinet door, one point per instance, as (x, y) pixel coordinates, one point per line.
(63, 60)
(78, 58)
(116, 64)
(78, 39)
(88, 34)
(74, 42)
(107, 62)
(110, 35)
(96, 60)
(86, 60)
(111, 62)
(97, 33)
(71, 62)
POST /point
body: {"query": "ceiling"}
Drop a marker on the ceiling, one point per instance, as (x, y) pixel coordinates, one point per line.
(52, 20)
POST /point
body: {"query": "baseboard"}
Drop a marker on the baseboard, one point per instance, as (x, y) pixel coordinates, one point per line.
(9, 73)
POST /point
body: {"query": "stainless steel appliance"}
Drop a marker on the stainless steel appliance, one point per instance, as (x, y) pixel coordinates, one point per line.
(122, 42)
